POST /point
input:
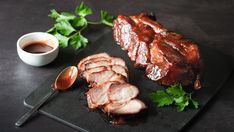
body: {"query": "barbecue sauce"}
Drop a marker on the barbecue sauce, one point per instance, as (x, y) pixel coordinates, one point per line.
(38, 47)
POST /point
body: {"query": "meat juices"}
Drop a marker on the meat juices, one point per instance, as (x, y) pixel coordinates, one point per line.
(110, 90)
(167, 57)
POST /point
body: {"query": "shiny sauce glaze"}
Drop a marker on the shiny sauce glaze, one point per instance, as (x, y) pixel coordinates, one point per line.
(38, 47)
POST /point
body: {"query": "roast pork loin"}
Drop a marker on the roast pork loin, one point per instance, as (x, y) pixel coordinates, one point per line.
(167, 57)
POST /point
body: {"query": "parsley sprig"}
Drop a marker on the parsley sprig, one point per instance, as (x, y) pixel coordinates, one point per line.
(174, 95)
(68, 27)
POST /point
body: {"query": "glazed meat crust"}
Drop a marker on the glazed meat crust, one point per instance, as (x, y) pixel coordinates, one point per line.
(167, 57)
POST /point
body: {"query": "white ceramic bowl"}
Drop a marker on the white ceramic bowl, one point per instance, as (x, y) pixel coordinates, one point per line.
(37, 59)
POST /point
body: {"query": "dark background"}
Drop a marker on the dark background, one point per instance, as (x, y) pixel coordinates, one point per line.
(18, 17)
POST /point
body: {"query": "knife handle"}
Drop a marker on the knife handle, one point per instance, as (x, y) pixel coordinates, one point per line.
(27, 115)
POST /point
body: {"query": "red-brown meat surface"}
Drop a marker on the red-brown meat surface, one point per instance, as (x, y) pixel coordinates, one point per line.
(108, 78)
(167, 56)
(131, 107)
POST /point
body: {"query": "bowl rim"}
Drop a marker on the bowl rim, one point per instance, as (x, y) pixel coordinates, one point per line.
(38, 54)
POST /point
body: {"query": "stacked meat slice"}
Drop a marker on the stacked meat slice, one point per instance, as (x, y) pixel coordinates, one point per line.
(110, 90)
(167, 57)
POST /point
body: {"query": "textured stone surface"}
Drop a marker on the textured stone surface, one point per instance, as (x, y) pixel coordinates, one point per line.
(215, 18)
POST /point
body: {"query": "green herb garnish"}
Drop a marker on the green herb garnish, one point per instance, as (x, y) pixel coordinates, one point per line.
(68, 26)
(174, 95)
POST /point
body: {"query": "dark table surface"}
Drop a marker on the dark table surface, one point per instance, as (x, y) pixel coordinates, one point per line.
(214, 17)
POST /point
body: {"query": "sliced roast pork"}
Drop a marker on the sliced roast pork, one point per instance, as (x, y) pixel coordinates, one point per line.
(131, 107)
(122, 93)
(108, 78)
(120, 70)
(85, 73)
(98, 96)
(118, 78)
(98, 78)
(111, 91)
(116, 68)
(101, 56)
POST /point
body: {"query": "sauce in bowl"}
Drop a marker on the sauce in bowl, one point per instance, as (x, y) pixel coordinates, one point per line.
(37, 47)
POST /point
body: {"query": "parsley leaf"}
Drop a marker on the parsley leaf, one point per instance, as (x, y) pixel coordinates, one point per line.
(194, 103)
(106, 18)
(63, 40)
(69, 26)
(64, 27)
(176, 90)
(54, 14)
(79, 22)
(181, 106)
(174, 94)
(161, 98)
(64, 16)
(52, 30)
(78, 41)
(83, 10)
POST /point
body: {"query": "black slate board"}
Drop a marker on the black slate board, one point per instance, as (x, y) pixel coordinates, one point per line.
(70, 107)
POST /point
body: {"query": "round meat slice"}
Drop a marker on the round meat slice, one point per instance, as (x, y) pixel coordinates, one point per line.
(116, 68)
(120, 70)
(98, 78)
(85, 73)
(100, 56)
(118, 78)
(118, 61)
(98, 96)
(97, 63)
(132, 107)
(122, 93)
(83, 67)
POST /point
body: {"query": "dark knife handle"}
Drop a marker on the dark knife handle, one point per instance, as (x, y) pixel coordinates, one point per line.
(27, 115)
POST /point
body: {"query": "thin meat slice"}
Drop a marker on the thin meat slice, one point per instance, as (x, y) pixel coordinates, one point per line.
(118, 61)
(122, 93)
(85, 73)
(98, 96)
(110, 62)
(143, 55)
(120, 70)
(98, 78)
(124, 32)
(93, 60)
(90, 58)
(118, 78)
(98, 63)
(132, 52)
(156, 55)
(132, 107)
(116, 68)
